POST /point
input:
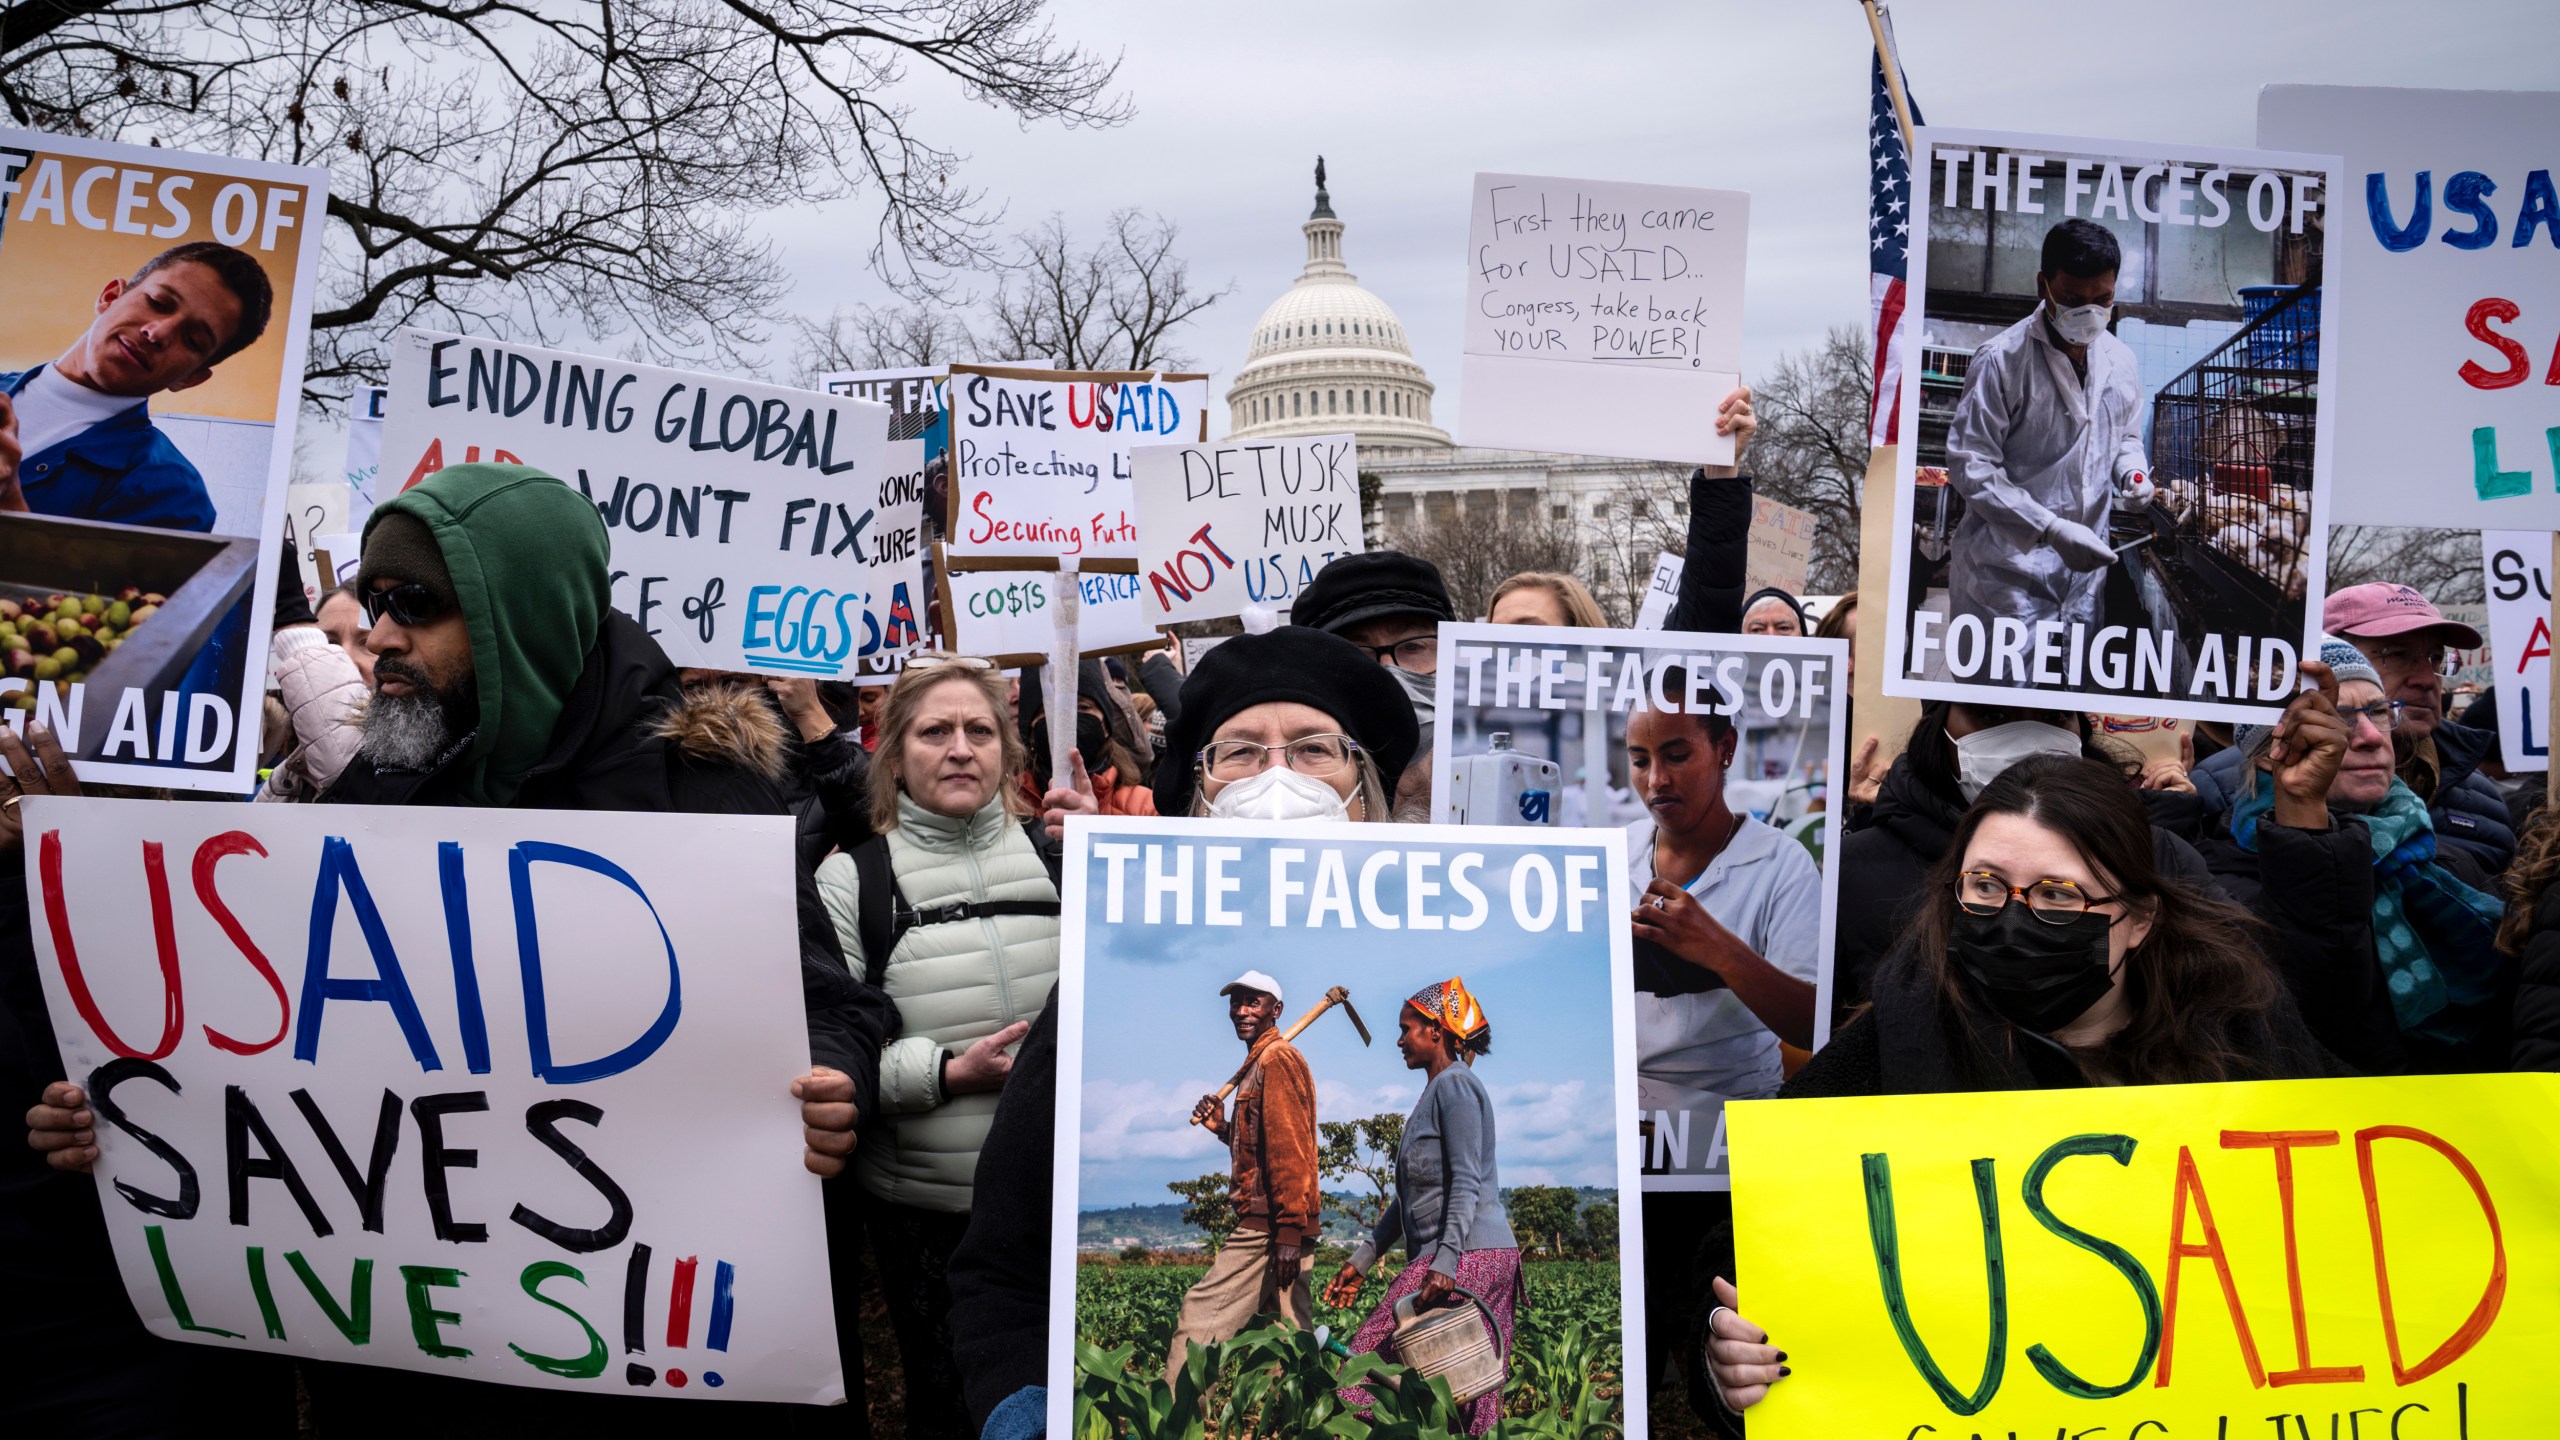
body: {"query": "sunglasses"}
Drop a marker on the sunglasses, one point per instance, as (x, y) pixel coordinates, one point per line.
(411, 604)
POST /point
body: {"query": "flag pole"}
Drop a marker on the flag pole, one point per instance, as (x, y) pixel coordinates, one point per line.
(1892, 74)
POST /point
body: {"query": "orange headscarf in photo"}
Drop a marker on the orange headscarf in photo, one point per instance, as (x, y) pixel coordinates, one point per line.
(1449, 1006)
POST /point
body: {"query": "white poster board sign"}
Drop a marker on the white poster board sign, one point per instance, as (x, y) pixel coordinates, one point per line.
(1540, 727)
(312, 511)
(505, 1094)
(1221, 527)
(1009, 616)
(1040, 461)
(2517, 566)
(1661, 592)
(2447, 234)
(1163, 913)
(1603, 318)
(754, 528)
(365, 409)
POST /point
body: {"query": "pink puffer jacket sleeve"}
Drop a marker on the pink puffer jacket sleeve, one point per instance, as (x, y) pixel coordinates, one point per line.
(325, 695)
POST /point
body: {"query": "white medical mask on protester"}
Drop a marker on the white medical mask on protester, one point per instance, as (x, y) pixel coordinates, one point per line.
(1984, 754)
(2081, 324)
(1279, 793)
(1423, 691)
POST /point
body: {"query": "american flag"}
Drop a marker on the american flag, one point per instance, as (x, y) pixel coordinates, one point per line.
(1888, 243)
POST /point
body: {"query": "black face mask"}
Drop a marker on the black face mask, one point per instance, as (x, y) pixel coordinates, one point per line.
(2035, 975)
(1090, 738)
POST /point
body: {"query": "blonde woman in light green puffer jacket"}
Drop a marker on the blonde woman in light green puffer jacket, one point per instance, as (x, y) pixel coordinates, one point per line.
(953, 911)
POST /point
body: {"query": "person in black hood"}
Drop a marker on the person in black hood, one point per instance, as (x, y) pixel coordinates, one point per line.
(1954, 752)
(2049, 953)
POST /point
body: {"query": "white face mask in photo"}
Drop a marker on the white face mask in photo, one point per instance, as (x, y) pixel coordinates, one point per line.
(1984, 754)
(2081, 324)
(1279, 793)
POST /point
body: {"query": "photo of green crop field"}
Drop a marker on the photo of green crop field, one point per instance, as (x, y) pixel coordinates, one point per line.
(1564, 1380)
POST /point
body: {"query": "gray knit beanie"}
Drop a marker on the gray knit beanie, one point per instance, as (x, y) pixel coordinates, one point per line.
(2344, 661)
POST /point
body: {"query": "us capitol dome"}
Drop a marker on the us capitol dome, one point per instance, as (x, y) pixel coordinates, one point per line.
(1328, 356)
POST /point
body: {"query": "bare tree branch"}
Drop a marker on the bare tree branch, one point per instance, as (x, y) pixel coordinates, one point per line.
(1112, 307)
(1811, 451)
(868, 337)
(565, 169)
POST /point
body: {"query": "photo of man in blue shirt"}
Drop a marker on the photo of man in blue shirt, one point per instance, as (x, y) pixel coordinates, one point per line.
(76, 437)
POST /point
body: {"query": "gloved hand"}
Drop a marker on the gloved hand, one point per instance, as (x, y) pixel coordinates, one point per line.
(2134, 489)
(2081, 548)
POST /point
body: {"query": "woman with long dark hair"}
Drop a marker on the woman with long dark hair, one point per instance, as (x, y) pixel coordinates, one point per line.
(2049, 952)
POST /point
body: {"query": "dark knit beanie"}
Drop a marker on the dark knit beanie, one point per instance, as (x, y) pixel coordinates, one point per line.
(1369, 586)
(399, 546)
(1296, 663)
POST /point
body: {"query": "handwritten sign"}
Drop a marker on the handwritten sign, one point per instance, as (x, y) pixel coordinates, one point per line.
(1040, 461)
(753, 527)
(1221, 527)
(1781, 547)
(1602, 318)
(500, 1095)
(1009, 615)
(1660, 592)
(2517, 566)
(2158, 1261)
(2447, 240)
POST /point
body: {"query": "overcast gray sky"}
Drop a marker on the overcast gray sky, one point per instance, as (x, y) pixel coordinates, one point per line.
(1408, 100)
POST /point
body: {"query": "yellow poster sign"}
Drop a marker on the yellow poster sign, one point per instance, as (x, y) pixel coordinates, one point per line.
(2301, 1260)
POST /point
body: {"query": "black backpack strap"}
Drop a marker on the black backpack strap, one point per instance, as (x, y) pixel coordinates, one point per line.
(877, 902)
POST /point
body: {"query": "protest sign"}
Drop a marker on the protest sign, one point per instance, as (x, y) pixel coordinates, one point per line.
(754, 528)
(2163, 1261)
(591, 1023)
(1221, 527)
(1637, 730)
(1162, 914)
(1661, 592)
(2475, 668)
(2146, 534)
(1008, 616)
(2447, 242)
(915, 395)
(1040, 461)
(311, 511)
(138, 589)
(1603, 318)
(2517, 566)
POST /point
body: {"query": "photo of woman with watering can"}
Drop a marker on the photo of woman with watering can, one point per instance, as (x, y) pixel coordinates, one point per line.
(1449, 1311)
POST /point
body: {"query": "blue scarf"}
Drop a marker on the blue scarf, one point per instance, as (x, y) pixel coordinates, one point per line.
(2434, 934)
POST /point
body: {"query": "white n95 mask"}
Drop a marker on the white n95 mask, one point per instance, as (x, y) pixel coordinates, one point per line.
(2081, 324)
(1279, 793)
(1984, 754)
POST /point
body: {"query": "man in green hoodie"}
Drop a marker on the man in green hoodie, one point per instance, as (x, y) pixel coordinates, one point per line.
(503, 676)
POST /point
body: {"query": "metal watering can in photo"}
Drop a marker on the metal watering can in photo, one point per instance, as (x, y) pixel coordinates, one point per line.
(1456, 1344)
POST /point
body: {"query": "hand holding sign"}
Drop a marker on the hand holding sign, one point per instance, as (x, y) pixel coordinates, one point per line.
(827, 1119)
(1739, 1354)
(59, 1128)
(1735, 422)
(2310, 743)
(47, 771)
(1065, 800)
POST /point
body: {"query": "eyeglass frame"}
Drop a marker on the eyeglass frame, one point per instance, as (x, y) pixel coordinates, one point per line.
(2392, 710)
(1386, 654)
(2088, 904)
(1200, 756)
(2446, 665)
(377, 603)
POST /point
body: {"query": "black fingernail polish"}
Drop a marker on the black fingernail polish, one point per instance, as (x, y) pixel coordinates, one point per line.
(1784, 1372)
(1782, 1357)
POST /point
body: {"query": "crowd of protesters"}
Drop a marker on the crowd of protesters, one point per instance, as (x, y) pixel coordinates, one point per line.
(2347, 891)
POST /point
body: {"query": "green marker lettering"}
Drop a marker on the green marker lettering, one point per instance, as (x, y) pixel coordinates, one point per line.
(356, 1321)
(169, 1290)
(584, 1367)
(1885, 1236)
(424, 1318)
(2118, 1148)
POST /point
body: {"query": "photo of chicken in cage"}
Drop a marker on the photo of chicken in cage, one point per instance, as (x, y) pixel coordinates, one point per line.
(2112, 463)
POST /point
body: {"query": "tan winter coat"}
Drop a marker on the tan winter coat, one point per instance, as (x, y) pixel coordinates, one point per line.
(952, 983)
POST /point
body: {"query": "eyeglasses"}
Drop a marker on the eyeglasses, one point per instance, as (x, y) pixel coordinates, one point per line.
(2398, 657)
(410, 604)
(2055, 902)
(1419, 652)
(1314, 756)
(2383, 715)
(929, 659)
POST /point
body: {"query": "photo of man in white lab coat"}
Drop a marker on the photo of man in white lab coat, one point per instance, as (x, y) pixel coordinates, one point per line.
(2046, 441)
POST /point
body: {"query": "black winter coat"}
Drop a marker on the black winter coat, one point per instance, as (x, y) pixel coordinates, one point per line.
(1904, 1046)
(1885, 863)
(999, 1276)
(2537, 1009)
(1716, 557)
(630, 738)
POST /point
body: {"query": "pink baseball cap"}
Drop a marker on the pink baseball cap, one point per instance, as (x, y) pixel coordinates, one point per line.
(2382, 608)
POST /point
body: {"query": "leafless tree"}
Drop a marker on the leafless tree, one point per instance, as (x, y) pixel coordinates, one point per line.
(2444, 565)
(881, 337)
(1113, 306)
(1483, 547)
(1647, 513)
(585, 168)
(1811, 451)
